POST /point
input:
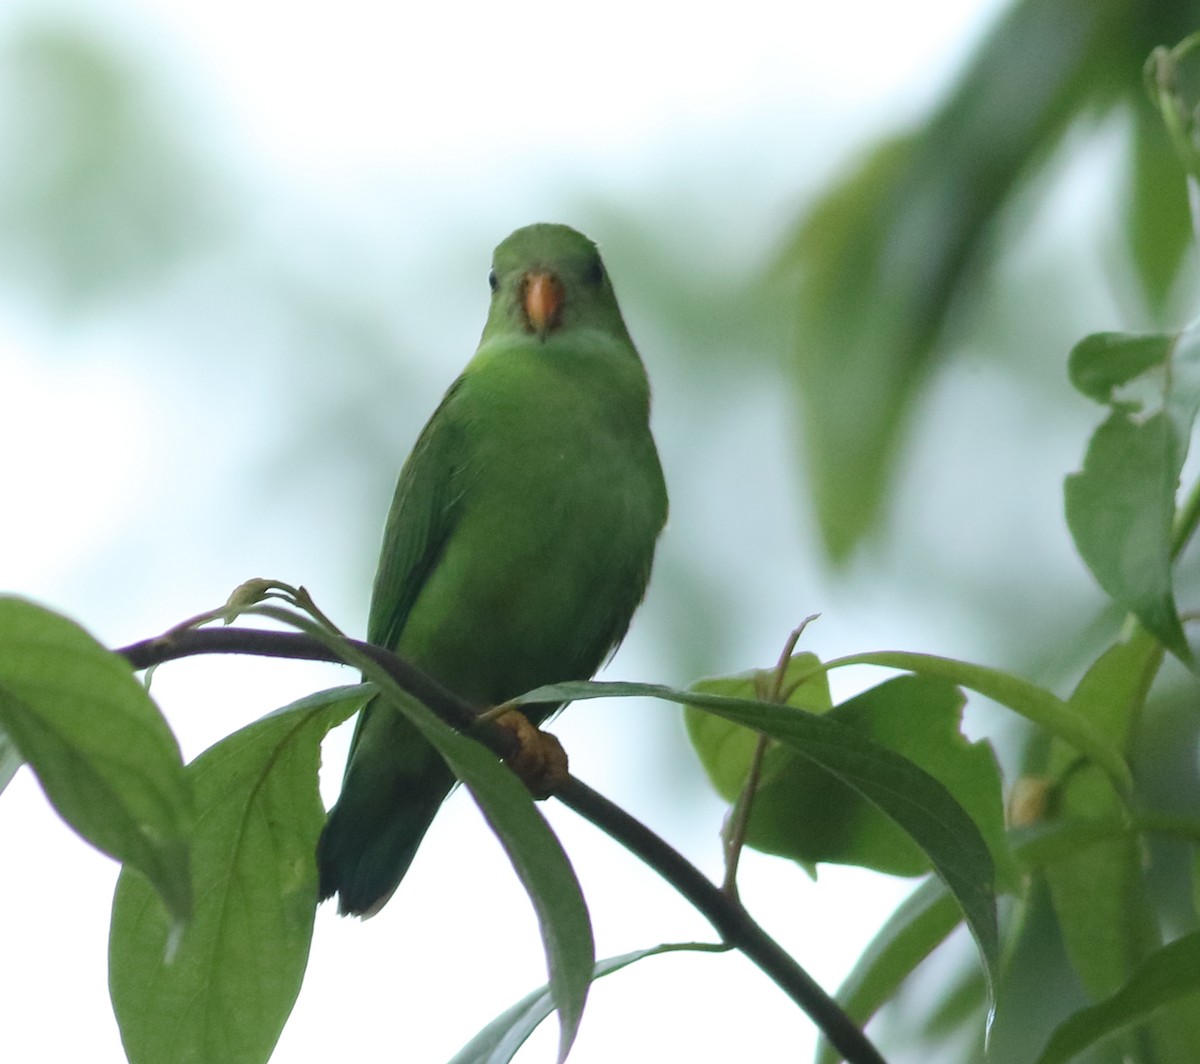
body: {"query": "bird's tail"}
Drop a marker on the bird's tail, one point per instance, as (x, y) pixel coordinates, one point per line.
(395, 782)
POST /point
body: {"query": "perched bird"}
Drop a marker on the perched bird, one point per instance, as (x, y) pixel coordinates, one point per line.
(519, 541)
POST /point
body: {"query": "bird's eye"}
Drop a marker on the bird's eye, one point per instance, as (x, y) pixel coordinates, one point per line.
(493, 284)
(594, 273)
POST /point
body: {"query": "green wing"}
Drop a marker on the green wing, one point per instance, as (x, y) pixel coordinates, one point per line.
(424, 513)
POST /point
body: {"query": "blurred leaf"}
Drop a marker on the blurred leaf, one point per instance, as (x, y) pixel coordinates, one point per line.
(1099, 890)
(1167, 975)
(98, 194)
(1103, 362)
(910, 796)
(1034, 703)
(222, 993)
(1174, 87)
(1112, 693)
(892, 250)
(100, 748)
(1103, 907)
(921, 923)
(500, 1040)
(1158, 230)
(1121, 507)
(726, 749)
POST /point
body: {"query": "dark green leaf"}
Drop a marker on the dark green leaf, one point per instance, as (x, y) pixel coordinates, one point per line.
(99, 746)
(222, 993)
(534, 850)
(726, 749)
(499, 1041)
(1034, 703)
(10, 761)
(915, 800)
(806, 813)
(1166, 976)
(922, 923)
(1158, 229)
(1103, 362)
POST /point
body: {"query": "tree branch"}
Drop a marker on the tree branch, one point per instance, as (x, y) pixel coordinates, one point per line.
(726, 914)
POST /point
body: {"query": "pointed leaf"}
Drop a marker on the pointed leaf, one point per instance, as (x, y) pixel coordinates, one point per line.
(534, 850)
(222, 992)
(895, 248)
(100, 748)
(915, 800)
(1166, 976)
(1034, 703)
(809, 814)
(1157, 226)
(1121, 506)
(726, 749)
(499, 1041)
(10, 761)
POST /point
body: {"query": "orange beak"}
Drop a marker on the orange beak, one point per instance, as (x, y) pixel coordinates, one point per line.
(543, 301)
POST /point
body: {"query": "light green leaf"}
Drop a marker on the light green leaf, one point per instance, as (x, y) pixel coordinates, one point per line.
(1121, 506)
(1035, 703)
(810, 815)
(100, 748)
(222, 993)
(726, 749)
(1167, 975)
(499, 1041)
(915, 800)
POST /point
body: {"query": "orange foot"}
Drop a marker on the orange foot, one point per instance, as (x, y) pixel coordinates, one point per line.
(540, 760)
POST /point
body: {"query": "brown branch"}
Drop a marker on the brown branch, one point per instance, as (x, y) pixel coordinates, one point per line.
(726, 914)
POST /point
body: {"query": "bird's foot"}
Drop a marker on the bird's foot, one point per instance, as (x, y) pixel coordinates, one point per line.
(540, 760)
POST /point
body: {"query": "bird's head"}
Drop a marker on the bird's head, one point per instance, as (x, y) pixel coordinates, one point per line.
(546, 279)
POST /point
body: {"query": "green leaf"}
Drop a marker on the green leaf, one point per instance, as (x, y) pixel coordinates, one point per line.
(1112, 693)
(499, 1041)
(222, 993)
(915, 800)
(1103, 362)
(534, 850)
(922, 922)
(810, 815)
(10, 761)
(1034, 703)
(1157, 227)
(726, 749)
(899, 246)
(1166, 976)
(1121, 506)
(100, 748)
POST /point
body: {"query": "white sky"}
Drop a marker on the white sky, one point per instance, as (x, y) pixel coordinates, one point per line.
(472, 110)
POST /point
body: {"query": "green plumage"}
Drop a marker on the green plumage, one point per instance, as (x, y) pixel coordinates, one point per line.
(519, 541)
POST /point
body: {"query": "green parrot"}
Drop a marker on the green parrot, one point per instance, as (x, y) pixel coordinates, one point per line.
(519, 541)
